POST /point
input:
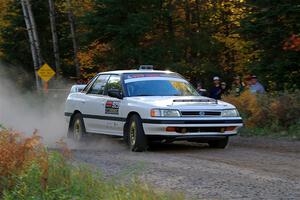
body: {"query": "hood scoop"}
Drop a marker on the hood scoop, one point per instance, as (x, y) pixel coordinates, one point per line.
(212, 101)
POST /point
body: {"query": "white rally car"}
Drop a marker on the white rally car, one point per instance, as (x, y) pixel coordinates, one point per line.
(149, 105)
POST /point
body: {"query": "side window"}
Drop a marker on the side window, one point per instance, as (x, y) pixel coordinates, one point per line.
(99, 85)
(88, 85)
(114, 82)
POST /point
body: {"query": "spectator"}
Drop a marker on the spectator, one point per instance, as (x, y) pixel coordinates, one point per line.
(256, 87)
(247, 81)
(238, 86)
(216, 91)
(224, 90)
(201, 90)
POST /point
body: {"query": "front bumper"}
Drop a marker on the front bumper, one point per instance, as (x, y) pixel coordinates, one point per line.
(194, 127)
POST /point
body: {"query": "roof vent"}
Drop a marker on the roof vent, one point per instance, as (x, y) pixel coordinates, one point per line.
(146, 67)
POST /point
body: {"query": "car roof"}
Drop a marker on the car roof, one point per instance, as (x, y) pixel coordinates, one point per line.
(134, 71)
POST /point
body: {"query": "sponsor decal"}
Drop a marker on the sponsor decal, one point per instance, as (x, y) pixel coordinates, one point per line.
(138, 75)
(112, 107)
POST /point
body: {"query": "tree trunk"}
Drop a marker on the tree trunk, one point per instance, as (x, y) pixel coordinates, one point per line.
(73, 36)
(34, 31)
(198, 28)
(171, 30)
(187, 31)
(54, 37)
(31, 41)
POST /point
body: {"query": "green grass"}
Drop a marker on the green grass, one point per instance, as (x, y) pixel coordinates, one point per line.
(292, 133)
(70, 182)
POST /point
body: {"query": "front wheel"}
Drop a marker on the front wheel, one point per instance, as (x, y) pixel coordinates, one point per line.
(136, 137)
(219, 144)
(77, 128)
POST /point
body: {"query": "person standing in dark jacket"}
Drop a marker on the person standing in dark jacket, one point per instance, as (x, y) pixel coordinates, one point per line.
(216, 91)
(201, 90)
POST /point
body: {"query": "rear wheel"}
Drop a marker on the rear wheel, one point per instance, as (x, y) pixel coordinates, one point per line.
(219, 144)
(77, 128)
(137, 139)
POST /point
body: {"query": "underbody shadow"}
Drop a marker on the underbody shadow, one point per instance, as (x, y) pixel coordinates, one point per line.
(103, 142)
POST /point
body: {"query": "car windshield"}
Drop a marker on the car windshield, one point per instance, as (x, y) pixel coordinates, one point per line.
(167, 87)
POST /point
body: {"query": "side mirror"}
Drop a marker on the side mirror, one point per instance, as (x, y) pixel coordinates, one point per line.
(115, 93)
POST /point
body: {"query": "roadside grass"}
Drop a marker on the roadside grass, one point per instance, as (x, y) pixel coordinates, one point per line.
(292, 133)
(31, 172)
(275, 115)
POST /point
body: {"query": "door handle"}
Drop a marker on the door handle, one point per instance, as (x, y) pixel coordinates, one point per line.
(82, 101)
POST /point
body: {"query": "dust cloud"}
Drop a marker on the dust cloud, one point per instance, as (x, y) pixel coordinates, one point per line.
(26, 111)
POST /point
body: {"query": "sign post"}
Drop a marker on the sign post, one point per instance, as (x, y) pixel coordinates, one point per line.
(46, 73)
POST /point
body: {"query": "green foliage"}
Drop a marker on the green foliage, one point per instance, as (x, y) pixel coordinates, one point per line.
(66, 181)
(166, 34)
(123, 24)
(269, 25)
(15, 52)
(15, 45)
(199, 39)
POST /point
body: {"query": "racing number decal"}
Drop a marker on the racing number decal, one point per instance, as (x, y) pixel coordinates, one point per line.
(112, 107)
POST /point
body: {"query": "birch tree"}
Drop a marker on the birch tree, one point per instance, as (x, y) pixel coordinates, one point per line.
(31, 41)
(34, 32)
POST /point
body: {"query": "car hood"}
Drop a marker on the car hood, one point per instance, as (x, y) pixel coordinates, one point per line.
(181, 102)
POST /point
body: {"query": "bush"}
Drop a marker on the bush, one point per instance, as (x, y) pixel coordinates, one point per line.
(36, 174)
(16, 154)
(269, 113)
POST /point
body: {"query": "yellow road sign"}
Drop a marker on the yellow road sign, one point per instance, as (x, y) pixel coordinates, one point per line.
(46, 72)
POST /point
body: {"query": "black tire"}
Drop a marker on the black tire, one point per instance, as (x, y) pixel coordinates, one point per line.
(77, 129)
(137, 139)
(126, 133)
(219, 144)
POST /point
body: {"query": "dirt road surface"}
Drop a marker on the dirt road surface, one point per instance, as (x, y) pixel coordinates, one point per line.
(250, 168)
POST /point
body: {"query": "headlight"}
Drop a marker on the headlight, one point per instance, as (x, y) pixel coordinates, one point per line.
(164, 113)
(230, 113)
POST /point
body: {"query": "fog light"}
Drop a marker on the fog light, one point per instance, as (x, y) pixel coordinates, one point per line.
(183, 130)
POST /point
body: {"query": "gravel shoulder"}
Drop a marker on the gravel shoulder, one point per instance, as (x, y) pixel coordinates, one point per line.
(250, 168)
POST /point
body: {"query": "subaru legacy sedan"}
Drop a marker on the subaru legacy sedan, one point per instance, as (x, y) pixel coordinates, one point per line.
(146, 105)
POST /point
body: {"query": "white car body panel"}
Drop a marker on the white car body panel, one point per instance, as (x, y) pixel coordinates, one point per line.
(77, 88)
(93, 109)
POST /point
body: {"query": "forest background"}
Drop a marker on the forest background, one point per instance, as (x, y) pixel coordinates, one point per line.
(197, 38)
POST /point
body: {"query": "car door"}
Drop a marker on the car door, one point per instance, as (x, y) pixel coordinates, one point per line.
(114, 107)
(93, 106)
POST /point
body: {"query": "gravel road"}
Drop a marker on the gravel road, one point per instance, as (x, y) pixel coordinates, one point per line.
(250, 168)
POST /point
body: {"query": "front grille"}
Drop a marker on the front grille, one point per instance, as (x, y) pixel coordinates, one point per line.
(200, 113)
